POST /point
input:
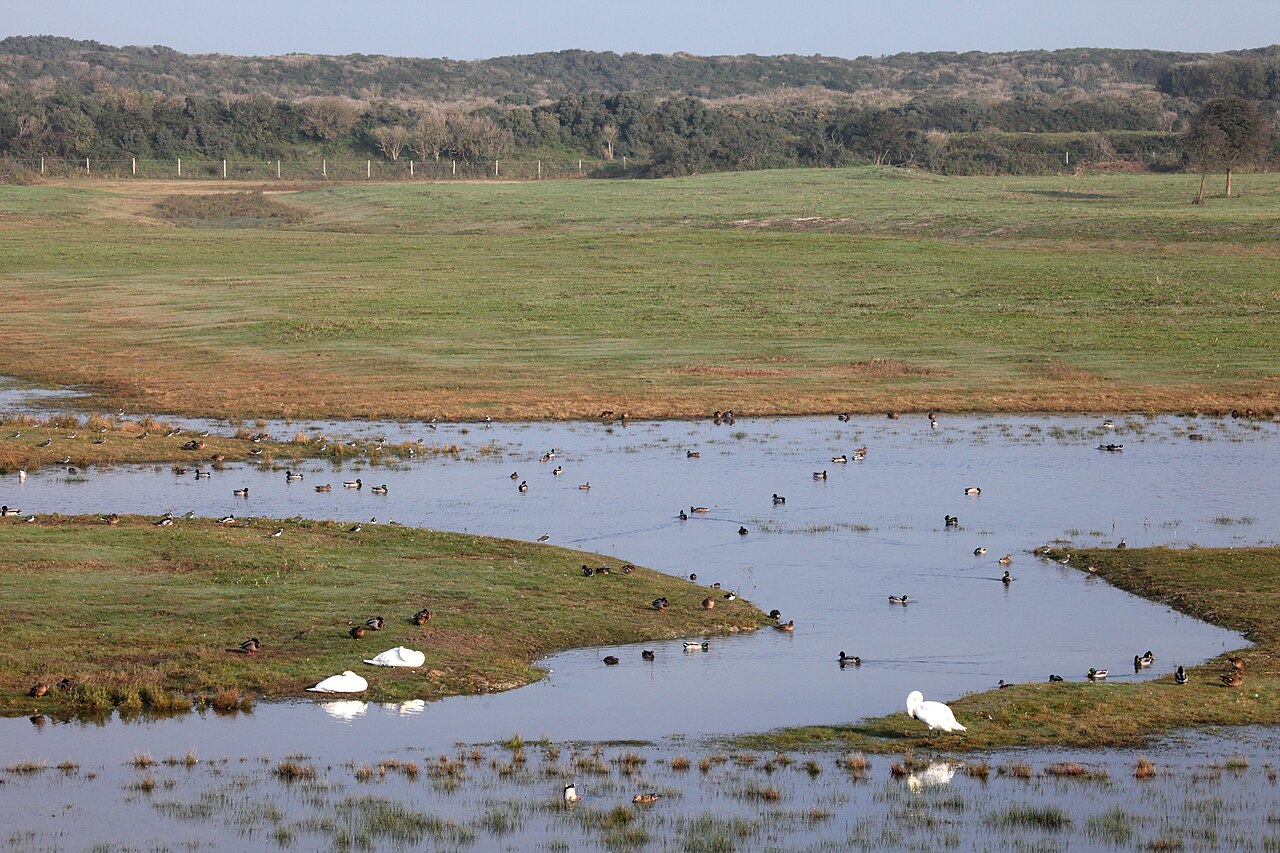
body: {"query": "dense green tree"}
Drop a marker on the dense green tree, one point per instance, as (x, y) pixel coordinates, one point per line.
(1228, 132)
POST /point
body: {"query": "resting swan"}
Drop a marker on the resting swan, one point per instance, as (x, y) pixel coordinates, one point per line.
(348, 682)
(399, 656)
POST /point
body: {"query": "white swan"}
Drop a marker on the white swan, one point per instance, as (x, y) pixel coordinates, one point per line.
(399, 656)
(935, 715)
(348, 682)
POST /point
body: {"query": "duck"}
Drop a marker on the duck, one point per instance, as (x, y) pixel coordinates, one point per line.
(357, 633)
(699, 509)
(277, 533)
(353, 484)
(226, 519)
(241, 493)
(1146, 658)
(113, 518)
(743, 531)
(730, 596)
(374, 624)
(708, 603)
(696, 646)
(290, 477)
(893, 416)
(646, 655)
(1002, 684)
(646, 798)
(1111, 448)
(683, 516)
(251, 646)
(979, 551)
(786, 627)
(1232, 679)
(1096, 674)
(347, 682)
(8, 511)
(899, 599)
(193, 444)
(422, 617)
(523, 487)
(557, 471)
(973, 490)
(1055, 678)
(515, 475)
(22, 475)
(544, 537)
(950, 521)
(325, 488)
(38, 690)
(584, 487)
(661, 603)
(1108, 425)
(379, 490)
(587, 571)
(778, 499)
(692, 454)
(935, 715)
(1180, 677)
(627, 568)
(819, 475)
(1006, 560)
(1237, 663)
(1006, 579)
(203, 475)
(571, 793)
(849, 660)
(843, 417)
(610, 660)
(775, 614)
(840, 460)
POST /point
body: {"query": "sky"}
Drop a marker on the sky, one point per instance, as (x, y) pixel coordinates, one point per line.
(475, 29)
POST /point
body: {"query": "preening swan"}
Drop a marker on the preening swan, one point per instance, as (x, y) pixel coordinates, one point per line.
(399, 656)
(935, 715)
(348, 682)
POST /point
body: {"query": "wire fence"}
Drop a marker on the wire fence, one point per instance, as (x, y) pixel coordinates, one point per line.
(323, 169)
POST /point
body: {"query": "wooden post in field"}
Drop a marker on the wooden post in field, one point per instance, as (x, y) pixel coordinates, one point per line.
(579, 165)
(224, 168)
(324, 166)
(42, 165)
(135, 166)
(495, 167)
(86, 166)
(277, 170)
(411, 168)
(624, 161)
(1068, 158)
(539, 170)
(179, 167)
(455, 167)
(368, 168)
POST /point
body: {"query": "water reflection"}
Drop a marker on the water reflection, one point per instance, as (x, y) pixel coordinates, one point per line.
(345, 709)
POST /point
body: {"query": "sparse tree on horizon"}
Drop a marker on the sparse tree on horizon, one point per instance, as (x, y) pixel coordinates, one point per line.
(1227, 132)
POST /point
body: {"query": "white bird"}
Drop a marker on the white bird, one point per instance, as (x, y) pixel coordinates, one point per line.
(399, 656)
(935, 715)
(348, 682)
(571, 793)
(22, 475)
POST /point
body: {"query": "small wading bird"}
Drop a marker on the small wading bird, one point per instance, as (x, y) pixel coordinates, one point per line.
(935, 715)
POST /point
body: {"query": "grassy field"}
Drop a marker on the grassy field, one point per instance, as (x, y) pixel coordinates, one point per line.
(1234, 588)
(764, 292)
(135, 614)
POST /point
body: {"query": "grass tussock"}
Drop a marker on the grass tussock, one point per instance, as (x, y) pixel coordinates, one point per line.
(242, 208)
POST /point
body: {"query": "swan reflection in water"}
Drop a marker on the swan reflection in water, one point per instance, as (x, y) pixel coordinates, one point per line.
(937, 773)
(345, 709)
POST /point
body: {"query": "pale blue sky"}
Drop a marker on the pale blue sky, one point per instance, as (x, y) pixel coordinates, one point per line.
(471, 29)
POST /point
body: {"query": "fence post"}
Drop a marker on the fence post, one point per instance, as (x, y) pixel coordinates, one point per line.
(539, 170)
(135, 166)
(224, 168)
(179, 167)
(86, 166)
(324, 166)
(624, 161)
(495, 167)
(368, 168)
(277, 170)
(579, 166)
(411, 168)
(42, 165)
(455, 167)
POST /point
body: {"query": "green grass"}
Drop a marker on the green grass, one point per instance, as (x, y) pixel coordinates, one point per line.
(1234, 588)
(790, 291)
(133, 610)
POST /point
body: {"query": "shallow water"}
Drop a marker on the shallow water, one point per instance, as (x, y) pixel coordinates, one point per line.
(828, 559)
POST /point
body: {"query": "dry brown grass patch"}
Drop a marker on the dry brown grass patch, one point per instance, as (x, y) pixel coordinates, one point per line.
(886, 368)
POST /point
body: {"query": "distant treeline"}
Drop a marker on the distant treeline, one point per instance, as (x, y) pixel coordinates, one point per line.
(92, 113)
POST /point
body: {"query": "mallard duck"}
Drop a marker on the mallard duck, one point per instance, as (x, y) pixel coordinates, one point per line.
(743, 531)
(585, 487)
(38, 690)
(203, 475)
(646, 655)
(587, 571)
(355, 528)
(251, 646)
(819, 475)
(1145, 659)
(893, 416)
(325, 488)
(167, 521)
(899, 599)
(627, 568)
(291, 477)
(241, 493)
(374, 624)
(1232, 679)
(1180, 677)
(696, 646)
(111, 519)
(683, 516)
(8, 511)
(422, 617)
(357, 633)
(840, 460)
(1006, 579)
(515, 475)
(379, 490)
(610, 660)
(849, 660)
(661, 603)
(571, 793)
(353, 484)
(523, 487)
(778, 499)
(973, 490)
(699, 509)
(1002, 684)
(775, 614)
(979, 551)
(786, 627)
(692, 454)
(1096, 674)
(645, 798)
(544, 537)
(1006, 560)
(218, 457)
(1237, 663)
(1055, 678)
(843, 417)
(708, 603)
(557, 471)
(950, 521)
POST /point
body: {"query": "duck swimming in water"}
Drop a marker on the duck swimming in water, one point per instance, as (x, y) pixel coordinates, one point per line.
(899, 599)
(849, 660)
